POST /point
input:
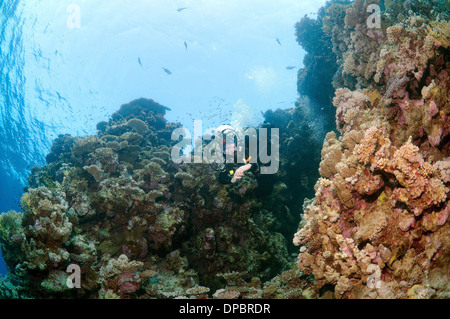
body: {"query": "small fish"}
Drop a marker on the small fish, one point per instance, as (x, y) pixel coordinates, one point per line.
(60, 97)
(278, 40)
(397, 253)
(139, 60)
(181, 9)
(290, 67)
(185, 45)
(167, 71)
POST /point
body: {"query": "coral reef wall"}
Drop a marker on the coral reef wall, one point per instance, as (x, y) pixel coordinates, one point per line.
(378, 225)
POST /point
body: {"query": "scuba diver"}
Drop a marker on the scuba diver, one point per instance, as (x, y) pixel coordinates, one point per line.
(231, 172)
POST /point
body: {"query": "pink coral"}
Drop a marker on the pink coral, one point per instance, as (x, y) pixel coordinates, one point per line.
(128, 284)
(348, 104)
(370, 181)
(433, 109)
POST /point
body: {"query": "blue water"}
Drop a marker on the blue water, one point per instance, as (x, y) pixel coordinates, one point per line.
(66, 65)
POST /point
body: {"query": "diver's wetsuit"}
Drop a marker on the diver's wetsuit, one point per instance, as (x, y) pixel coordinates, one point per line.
(265, 181)
(226, 174)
